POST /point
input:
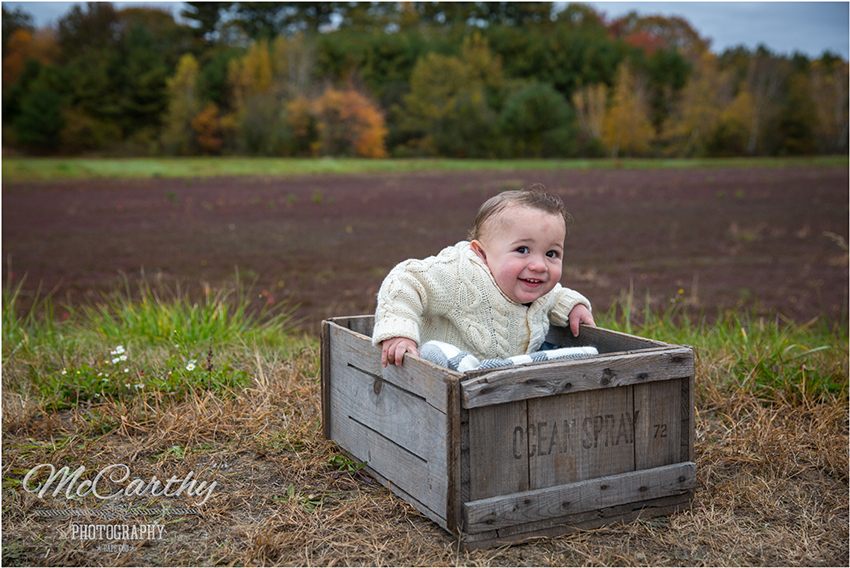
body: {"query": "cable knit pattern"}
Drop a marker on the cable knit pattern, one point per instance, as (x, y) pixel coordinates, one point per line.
(452, 297)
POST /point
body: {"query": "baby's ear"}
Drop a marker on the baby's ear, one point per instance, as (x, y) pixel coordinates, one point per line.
(478, 249)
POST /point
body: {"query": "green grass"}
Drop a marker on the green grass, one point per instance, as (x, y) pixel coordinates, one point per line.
(140, 343)
(770, 357)
(31, 169)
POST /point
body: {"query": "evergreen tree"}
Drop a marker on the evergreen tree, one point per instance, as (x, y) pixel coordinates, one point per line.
(540, 123)
(39, 122)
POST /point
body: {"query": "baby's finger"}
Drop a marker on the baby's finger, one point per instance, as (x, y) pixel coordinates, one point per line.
(400, 350)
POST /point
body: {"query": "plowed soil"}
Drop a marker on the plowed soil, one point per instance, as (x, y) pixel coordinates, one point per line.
(767, 240)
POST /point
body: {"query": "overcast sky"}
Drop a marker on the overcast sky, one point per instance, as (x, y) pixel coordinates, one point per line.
(784, 27)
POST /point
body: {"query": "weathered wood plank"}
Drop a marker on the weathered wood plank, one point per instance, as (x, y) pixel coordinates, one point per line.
(580, 436)
(582, 521)
(421, 483)
(605, 340)
(363, 325)
(454, 475)
(326, 355)
(417, 376)
(658, 432)
(464, 456)
(406, 420)
(494, 465)
(688, 417)
(530, 506)
(418, 505)
(572, 375)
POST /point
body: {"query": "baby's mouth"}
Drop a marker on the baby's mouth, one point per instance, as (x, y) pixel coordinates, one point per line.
(531, 281)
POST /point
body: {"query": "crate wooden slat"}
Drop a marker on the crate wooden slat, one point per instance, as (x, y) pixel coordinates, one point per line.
(514, 453)
(581, 497)
(571, 375)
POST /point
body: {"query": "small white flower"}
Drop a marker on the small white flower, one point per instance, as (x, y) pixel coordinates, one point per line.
(65, 372)
(116, 360)
(122, 358)
(139, 386)
(118, 350)
(126, 370)
(191, 365)
(127, 385)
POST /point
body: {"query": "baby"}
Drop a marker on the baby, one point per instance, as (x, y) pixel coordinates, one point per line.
(493, 296)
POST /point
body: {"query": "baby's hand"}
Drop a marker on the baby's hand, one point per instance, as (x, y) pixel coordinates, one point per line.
(578, 315)
(394, 348)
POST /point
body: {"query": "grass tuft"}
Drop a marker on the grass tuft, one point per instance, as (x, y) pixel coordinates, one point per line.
(151, 343)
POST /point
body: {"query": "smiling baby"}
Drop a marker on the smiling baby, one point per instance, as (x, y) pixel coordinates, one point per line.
(493, 296)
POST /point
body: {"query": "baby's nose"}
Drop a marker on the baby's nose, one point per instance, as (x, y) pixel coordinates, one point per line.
(538, 264)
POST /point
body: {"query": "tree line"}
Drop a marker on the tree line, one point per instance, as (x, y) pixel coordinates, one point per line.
(408, 79)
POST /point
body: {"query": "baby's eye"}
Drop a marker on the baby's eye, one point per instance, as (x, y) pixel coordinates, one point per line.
(522, 250)
(553, 254)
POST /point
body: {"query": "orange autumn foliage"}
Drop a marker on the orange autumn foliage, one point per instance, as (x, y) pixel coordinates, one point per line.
(24, 45)
(350, 124)
(207, 127)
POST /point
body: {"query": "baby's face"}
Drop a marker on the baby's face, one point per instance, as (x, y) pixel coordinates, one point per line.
(524, 249)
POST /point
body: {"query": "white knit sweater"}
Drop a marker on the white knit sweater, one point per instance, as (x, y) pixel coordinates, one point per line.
(452, 297)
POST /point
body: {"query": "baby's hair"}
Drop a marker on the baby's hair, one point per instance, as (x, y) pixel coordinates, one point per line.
(534, 196)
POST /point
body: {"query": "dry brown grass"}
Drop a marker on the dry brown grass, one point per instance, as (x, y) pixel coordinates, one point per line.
(773, 486)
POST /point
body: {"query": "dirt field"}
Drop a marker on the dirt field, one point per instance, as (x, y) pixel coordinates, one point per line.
(768, 239)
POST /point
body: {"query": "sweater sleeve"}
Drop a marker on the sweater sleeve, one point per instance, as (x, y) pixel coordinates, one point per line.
(565, 300)
(411, 290)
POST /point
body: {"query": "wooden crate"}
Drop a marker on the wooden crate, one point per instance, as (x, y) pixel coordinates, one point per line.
(507, 454)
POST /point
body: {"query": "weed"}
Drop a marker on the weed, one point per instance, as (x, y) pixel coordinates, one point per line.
(344, 464)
